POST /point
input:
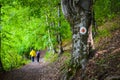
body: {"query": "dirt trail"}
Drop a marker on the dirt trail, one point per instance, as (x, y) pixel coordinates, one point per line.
(32, 71)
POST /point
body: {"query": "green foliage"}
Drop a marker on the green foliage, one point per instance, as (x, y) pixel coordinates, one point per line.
(102, 10)
(50, 57)
(105, 30)
(12, 60)
(105, 10)
(103, 33)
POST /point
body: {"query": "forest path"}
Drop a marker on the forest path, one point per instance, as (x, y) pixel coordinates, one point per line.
(33, 71)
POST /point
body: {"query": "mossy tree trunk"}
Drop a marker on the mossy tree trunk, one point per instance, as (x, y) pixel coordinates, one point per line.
(78, 14)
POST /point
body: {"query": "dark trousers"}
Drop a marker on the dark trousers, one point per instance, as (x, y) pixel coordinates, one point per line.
(38, 58)
(32, 58)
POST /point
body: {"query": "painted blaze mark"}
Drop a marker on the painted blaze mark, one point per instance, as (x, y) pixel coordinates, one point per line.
(83, 30)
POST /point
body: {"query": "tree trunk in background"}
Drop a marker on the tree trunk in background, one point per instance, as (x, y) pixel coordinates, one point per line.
(51, 49)
(1, 65)
(59, 38)
(78, 13)
(50, 46)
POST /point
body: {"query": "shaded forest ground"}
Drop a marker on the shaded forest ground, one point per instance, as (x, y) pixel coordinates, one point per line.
(105, 65)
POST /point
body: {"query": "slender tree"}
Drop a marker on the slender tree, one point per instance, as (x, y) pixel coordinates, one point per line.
(59, 37)
(1, 65)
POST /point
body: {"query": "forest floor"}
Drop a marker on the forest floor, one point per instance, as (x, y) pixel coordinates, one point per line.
(105, 65)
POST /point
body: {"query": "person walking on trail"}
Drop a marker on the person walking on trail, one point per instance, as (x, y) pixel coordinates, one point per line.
(33, 55)
(38, 55)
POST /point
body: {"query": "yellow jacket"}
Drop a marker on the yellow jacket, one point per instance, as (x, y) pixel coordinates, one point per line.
(33, 53)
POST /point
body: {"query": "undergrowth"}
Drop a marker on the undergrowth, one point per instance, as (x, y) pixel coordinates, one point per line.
(107, 29)
(50, 57)
(16, 63)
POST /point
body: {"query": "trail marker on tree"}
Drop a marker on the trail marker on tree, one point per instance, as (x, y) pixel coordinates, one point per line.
(83, 30)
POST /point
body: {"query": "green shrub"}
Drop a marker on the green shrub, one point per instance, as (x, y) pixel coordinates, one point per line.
(51, 57)
(12, 60)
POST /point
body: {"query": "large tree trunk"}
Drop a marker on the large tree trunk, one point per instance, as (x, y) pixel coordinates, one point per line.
(78, 13)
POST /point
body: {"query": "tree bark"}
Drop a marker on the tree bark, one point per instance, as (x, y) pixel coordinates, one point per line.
(78, 14)
(1, 65)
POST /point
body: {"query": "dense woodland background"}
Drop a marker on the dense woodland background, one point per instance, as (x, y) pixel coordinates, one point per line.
(38, 24)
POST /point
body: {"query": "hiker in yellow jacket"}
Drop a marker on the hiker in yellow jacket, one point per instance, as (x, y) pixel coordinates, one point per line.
(33, 55)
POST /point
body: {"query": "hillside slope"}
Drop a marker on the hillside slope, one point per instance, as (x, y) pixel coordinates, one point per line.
(105, 65)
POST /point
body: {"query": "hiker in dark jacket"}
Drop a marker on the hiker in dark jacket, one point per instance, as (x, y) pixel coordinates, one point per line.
(38, 55)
